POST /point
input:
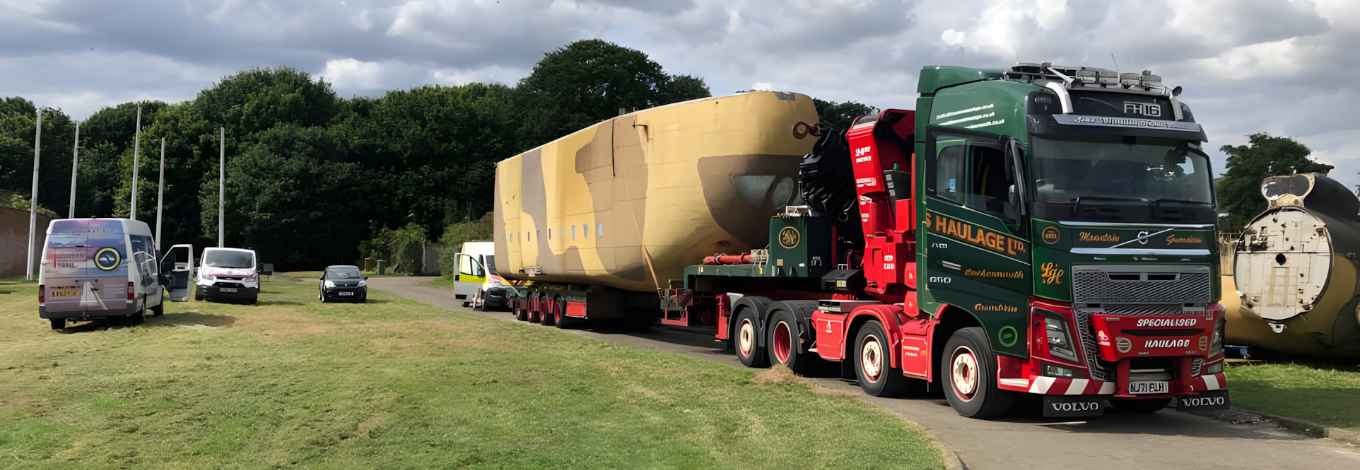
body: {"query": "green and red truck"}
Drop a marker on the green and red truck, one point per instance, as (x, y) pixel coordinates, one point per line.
(1039, 230)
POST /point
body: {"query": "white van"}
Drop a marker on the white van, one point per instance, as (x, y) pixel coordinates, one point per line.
(99, 268)
(228, 274)
(476, 282)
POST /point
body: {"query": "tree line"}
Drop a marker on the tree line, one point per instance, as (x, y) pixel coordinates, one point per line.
(313, 178)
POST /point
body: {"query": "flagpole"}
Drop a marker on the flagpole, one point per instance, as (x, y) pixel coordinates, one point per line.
(221, 184)
(136, 151)
(160, 196)
(75, 166)
(33, 202)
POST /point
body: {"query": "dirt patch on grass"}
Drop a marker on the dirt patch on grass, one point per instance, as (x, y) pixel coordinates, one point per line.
(365, 428)
(777, 375)
(280, 323)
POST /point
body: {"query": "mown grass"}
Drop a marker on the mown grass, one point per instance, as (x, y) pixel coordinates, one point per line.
(396, 384)
(443, 282)
(1323, 393)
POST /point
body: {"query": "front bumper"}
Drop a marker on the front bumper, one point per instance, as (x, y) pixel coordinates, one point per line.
(231, 292)
(345, 293)
(496, 298)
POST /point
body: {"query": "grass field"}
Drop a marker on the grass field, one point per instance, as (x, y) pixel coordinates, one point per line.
(442, 281)
(1327, 394)
(395, 384)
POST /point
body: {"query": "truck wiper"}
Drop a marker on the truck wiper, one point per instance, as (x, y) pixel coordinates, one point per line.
(1159, 202)
(1076, 201)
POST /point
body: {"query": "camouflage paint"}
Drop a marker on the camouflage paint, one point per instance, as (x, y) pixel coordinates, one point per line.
(668, 185)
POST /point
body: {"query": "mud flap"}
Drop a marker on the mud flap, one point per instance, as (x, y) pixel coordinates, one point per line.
(1070, 407)
(1207, 401)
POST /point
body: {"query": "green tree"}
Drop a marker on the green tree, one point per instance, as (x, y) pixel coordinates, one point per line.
(17, 125)
(591, 80)
(106, 160)
(1239, 190)
(840, 115)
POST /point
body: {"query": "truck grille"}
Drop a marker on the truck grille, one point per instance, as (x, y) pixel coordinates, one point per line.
(1141, 285)
(1134, 291)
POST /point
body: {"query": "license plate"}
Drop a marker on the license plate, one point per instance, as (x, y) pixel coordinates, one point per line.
(1148, 388)
(63, 292)
(228, 289)
(346, 294)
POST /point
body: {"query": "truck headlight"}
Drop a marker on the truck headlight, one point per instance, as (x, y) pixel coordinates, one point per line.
(1059, 339)
(330, 284)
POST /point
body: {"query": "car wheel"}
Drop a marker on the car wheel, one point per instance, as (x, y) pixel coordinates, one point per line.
(58, 323)
(198, 294)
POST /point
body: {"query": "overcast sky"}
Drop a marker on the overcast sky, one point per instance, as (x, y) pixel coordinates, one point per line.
(1286, 67)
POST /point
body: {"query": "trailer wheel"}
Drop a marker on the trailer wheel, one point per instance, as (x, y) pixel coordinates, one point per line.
(521, 307)
(535, 310)
(785, 343)
(563, 321)
(873, 366)
(1141, 406)
(968, 368)
(58, 323)
(551, 315)
(746, 339)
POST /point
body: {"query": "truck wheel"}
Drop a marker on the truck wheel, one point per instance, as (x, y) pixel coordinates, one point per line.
(58, 323)
(198, 294)
(968, 368)
(873, 363)
(746, 337)
(784, 342)
(1141, 406)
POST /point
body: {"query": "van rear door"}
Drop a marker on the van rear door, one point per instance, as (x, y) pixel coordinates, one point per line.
(85, 266)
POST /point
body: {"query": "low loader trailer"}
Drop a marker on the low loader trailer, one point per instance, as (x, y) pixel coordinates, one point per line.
(1040, 230)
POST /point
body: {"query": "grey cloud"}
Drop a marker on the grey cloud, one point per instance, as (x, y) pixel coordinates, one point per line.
(85, 53)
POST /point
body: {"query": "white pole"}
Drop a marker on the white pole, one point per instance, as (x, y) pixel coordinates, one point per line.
(33, 203)
(160, 196)
(221, 182)
(136, 151)
(75, 166)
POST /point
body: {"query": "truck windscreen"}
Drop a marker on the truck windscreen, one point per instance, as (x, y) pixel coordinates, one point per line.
(1127, 169)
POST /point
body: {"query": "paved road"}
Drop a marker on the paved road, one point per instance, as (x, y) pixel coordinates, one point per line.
(1168, 439)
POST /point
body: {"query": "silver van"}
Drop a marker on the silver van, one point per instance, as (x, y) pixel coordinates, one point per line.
(100, 268)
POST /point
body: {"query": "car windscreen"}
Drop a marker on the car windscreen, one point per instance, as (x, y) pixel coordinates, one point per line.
(343, 273)
(228, 259)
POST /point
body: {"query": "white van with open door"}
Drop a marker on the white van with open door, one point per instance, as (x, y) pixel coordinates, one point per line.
(99, 268)
(476, 282)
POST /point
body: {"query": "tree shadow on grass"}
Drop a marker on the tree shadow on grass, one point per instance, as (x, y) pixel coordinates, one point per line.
(191, 319)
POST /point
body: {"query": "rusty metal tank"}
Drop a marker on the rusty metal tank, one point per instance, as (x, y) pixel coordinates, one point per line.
(630, 201)
(1295, 270)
